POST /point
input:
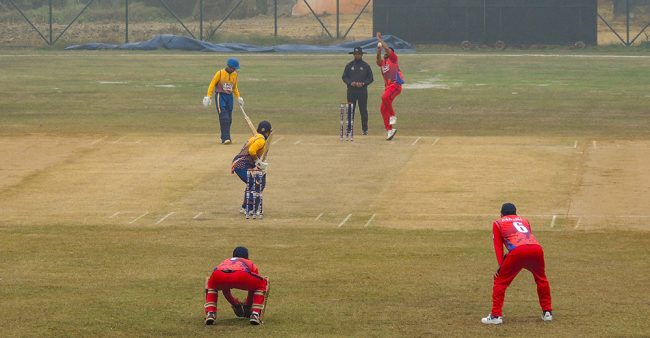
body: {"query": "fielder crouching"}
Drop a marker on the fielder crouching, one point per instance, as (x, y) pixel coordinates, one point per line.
(250, 158)
(240, 273)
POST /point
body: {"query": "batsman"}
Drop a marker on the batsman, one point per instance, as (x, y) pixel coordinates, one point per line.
(251, 160)
(223, 86)
(240, 273)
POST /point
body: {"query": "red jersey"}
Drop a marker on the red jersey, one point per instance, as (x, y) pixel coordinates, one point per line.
(238, 264)
(390, 70)
(511, 231)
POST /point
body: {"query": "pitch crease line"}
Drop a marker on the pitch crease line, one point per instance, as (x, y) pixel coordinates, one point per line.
(594, 143)
(115, 214)
(436, 141)
(119, 139)
(298, 142)
(164, 218)
(578, 223)
(553, 221)
(575, 145)
(197, 215)
(137, 218)
(278, 140)
(319, 216)
(370, 220)
(345, 220)
(416, 141)
(98, 140)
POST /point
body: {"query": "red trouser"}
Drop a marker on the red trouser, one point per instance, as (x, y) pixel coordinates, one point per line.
(531, 258)
(390, 93)
(242, 280)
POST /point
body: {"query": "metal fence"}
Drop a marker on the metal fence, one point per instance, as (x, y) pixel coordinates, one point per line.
(53, 22)
(201, 19)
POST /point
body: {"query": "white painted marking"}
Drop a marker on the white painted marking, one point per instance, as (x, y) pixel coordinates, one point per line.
(112, 82)
(138, 141)
(436, 141)
(119, 139)
(578, 223)
(594, 143)
(416, 141)
(298, 142)
(165, 86)
(278, 140)
(553, 221)
(198, 215)
(345, 220)
(115, 214)
(370, 220)
(319, 216)
(137, 218)
(575, 144)
(98, 140)
(164, 218)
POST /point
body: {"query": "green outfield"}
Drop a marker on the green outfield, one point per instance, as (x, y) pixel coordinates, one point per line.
(116, 199)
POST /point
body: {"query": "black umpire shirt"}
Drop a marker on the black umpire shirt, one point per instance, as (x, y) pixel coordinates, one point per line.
(357, 71)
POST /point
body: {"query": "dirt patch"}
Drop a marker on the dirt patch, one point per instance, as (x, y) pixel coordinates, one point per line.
(614, 188)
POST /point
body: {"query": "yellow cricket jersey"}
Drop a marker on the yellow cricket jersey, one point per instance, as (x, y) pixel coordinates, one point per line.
(255, 146)
(224, 82)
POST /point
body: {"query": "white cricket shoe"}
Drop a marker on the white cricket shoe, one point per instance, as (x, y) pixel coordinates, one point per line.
(242, 210)
(228, 141)
(391, 134)
(255, 319)
(392, 120)
(547, 316)
(492, 320)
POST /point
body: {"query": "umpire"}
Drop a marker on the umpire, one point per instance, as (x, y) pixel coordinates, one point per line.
(358, 76)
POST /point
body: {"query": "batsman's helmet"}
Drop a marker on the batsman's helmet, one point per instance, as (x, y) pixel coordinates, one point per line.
(240, 252)
(264, 127)
(233, 63)
(508, 209)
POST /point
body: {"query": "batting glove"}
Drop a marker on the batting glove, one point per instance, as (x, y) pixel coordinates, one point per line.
(261, 165)
(241, 101)
(207, 101)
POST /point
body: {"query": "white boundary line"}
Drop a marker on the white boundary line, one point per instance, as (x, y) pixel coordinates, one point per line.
(198, 215)
(137, 218)
(164, 218)
(98, 140)
(319, 216)
(345, 220)
(119, 139)
(436, 141)
(553, 221)
(416, 140)
(370, 220)
(278, 140)
(115, 214)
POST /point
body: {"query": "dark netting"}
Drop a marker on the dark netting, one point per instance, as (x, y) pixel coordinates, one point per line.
(487, 21)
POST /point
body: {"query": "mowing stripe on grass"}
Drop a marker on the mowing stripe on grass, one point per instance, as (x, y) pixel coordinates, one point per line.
(137, 218)
(370, 220)
(345, 220)
(165, 217)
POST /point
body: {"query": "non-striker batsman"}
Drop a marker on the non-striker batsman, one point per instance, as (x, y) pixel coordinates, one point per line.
(223, 86)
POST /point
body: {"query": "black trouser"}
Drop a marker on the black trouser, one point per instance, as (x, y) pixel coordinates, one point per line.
(360, 98)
